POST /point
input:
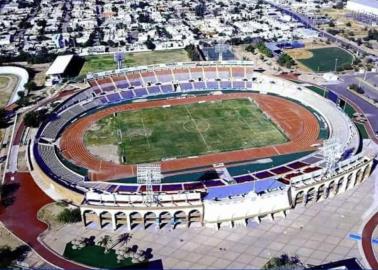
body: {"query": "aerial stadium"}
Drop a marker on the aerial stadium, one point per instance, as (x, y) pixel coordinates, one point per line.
(214, 144)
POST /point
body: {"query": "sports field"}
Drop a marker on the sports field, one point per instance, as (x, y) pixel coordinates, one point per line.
(96, 63)
(185, 130)
(324, 59)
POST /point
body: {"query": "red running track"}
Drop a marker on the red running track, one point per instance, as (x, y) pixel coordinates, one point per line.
(300, 125)
(21, 218)
(367, 236)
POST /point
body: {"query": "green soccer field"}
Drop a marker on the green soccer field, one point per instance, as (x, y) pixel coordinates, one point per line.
(185, 130)
(97, 63)
(324, 59)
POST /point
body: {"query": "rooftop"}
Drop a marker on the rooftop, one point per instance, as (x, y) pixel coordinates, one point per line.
(59, 65)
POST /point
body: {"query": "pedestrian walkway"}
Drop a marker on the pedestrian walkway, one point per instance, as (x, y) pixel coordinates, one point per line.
(21, 218)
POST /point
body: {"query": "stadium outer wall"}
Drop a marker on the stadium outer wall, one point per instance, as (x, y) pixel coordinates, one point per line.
(178, 210)
(230, 212)
(53, 189)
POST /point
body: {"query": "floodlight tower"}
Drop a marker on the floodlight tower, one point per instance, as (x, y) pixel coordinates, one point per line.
(332, 152)
(149, 174)
(119, 57)
(220, 48)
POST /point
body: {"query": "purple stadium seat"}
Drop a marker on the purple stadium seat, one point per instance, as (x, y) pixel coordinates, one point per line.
(262, 175)
(127, 94)
(140, 92)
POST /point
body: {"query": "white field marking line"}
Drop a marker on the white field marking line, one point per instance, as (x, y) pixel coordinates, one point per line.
(195, 124)
(145, 133)
(240, 119)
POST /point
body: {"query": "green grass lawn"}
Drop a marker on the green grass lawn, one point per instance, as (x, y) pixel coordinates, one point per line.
(185, 130)
(94, 256)
(104, 62)
(318, 90)
(324, 59)
(3, 81)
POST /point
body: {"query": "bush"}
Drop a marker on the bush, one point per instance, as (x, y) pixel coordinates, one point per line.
(193, 52)
(285, 60)
(150, 45)
(3, 118)
(35, 118)
(250, 48)
(264, 50)
(356, 88)
(7, 255)
(283, 262)
(30, 86)
(69, 215)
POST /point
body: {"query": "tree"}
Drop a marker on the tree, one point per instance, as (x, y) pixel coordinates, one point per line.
(199, 10)
(356, 88)
(283, 262)
(250, 48)
(7, 255)
(285, 60)
(30, 86)
(35, 118)
(150, 45)
(69, 215)
(3, 118)
(264, 50)
(193, 52)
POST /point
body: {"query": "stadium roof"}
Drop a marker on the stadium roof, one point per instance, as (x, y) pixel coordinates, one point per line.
(232, 190)
(59, 65)
(369, 3)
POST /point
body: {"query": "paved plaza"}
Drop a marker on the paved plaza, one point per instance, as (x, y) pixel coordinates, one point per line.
(370, 86)
(317, 234)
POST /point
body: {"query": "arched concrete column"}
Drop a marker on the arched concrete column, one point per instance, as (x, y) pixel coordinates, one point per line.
(114, 222)
(135, 219)
(359, 176)
(180, 218)
(149, 219)
(311, 195)
(119, 219)
(165, 219)
(340, 185)
(349, 180)
(84, 218)
(367, 171)
(240, 223)
(320, 192)
(194, 216)
(299, 198)
(105, 216)
(330, 189)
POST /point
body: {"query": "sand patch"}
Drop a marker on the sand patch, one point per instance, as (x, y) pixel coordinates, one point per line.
(106, 152)
(300, 53)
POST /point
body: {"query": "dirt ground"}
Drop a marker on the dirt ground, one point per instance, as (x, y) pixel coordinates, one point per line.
(106, 152)
(304, 53)
(7, 239)
(21, 161)
(49, 213)
(8, 83)
(299, 53)
(40, 70)
(268, 64)
(339, 15)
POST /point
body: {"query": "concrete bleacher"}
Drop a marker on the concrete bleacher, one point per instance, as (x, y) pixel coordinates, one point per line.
(54, 167)
(126, 86)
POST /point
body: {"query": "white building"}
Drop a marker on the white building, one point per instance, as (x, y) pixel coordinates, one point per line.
(363, 6)
(58, 68)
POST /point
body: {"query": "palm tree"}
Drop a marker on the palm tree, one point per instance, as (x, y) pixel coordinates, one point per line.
(105, 241)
